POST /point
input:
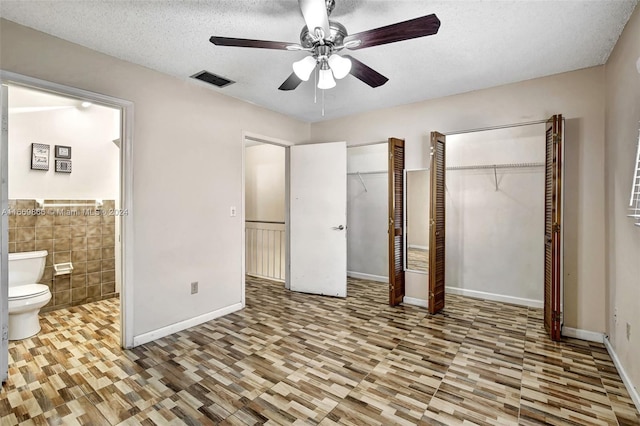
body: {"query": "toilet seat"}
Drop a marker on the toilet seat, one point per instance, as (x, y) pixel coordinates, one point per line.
(27, 291)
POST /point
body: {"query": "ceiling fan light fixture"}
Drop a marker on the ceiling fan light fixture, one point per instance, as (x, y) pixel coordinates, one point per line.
(304, 67)
(340, 66)
(325, 78)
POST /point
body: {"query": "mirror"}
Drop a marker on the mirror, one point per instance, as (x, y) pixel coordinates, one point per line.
(417, 220)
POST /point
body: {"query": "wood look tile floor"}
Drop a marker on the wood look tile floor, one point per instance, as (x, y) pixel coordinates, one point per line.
(298, 359)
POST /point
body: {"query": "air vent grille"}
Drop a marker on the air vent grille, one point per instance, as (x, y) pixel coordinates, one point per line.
(211, 78)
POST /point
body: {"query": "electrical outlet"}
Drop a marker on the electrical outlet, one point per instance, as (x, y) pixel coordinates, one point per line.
(194, 287)
(628, 331)
(615, 315)
(232, 211)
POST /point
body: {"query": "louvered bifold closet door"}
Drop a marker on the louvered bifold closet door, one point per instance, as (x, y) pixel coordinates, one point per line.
(396, 221)
(437, 224)
(552, 224)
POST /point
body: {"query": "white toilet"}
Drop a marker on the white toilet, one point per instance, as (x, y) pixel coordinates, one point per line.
(26, 297)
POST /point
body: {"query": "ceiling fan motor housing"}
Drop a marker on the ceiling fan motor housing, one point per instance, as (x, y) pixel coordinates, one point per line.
(337, 33)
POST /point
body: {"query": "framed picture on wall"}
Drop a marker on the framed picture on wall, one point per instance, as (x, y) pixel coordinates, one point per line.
(39, 156)
(63, 151)
(63, 166)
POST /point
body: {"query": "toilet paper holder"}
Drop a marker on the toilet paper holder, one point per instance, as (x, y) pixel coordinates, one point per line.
(62, 268)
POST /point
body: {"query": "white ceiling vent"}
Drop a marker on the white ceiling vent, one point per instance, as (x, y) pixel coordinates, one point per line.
(211, 78)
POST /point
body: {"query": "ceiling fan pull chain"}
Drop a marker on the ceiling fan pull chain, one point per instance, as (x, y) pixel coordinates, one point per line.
(315, 85)
(323, 102)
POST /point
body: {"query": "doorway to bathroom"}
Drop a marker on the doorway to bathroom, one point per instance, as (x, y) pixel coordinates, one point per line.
(64, 164)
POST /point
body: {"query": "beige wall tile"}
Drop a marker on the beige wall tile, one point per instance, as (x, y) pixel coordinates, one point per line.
(108, 264)
(61, 298)
(94, 242)
(79, 268)
(94, 231)
(44, 244)
(78, 281)
(62, 219)
(94, 278)
(25, 221)
(79, 256)
(61, 244)
(61, 257)
(78, 220)
(109, 240)
(108, 253)
(79, 243)
(79, 294)
(61, 282)
(93, 266)
(44, 221)
(94, 291)
(44, 232)
(108, 288)
(78, 231)
(25, 246)
(108, 276)
(61, 231)
(94, 254)
(25, 234)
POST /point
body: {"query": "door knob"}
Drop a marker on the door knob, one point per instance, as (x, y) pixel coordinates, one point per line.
(338, 228)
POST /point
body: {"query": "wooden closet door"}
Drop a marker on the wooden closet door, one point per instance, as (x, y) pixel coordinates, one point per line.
(437, 224)
(552, 224)
(396, 221)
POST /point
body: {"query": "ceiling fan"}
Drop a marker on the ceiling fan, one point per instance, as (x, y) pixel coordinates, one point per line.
(323, 39)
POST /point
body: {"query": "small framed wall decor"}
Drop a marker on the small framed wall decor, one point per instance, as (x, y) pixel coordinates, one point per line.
(39, 156)
(63, 166)
(63, 152)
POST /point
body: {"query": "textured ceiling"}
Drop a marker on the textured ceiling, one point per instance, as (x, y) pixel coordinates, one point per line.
(480, 44)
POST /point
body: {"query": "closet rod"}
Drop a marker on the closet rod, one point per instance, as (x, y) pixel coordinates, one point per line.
(502, 126)
(497, 166)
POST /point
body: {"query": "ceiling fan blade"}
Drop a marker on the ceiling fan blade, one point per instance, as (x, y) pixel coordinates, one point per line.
(290, 83)
(245, 42)
(315, 15)
(365, 73)
(413, 28)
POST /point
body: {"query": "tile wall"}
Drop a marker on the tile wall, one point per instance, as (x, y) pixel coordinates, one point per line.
(81, 235)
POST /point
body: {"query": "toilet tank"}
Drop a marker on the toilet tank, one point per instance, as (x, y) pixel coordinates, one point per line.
(26, 267)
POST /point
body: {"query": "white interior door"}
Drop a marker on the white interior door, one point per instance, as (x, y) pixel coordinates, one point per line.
(317, 218)
(4, 235)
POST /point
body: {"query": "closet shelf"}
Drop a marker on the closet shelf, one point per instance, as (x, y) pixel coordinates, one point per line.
(497, 166)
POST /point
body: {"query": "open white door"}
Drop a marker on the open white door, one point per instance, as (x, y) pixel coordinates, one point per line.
(317, 221)
(4, 235)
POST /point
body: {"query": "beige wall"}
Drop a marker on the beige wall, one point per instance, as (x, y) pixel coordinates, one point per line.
(264, 182)
(187, 171)
(623, 238)
(579, 96)
(94, 157)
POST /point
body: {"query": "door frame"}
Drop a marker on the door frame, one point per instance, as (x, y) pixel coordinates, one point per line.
(256, 137)
(126, 189)
(562, 188)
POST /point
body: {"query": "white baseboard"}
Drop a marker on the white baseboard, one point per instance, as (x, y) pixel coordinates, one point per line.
(182, 325)
(415, 302)
(633, 392)
(369, 277)
(495, 297)
(576, 333)
(415, 246)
